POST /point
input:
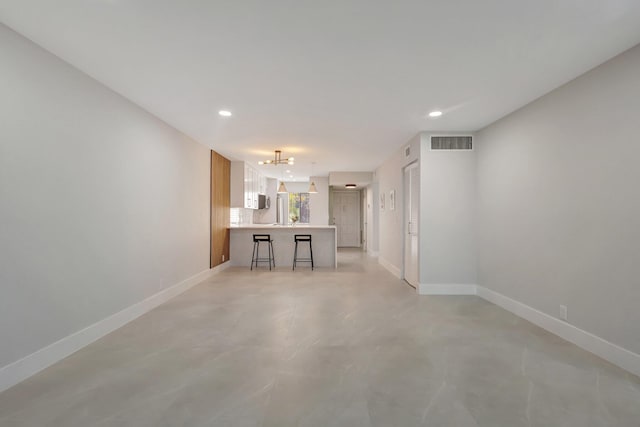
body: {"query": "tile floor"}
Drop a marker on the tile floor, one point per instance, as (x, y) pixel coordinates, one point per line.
(353, 347)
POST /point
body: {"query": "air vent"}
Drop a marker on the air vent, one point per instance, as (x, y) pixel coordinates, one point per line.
(451, 143)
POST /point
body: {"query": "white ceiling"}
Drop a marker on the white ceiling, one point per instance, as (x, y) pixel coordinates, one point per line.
(340, 82)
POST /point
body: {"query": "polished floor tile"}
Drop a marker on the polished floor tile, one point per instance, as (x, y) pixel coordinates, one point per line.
(352, 347)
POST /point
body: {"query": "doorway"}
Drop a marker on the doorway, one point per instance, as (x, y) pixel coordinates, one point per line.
(411, 211)
(346, 218)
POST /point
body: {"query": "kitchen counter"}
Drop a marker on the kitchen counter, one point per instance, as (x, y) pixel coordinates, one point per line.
(324, 241)
(277, 226)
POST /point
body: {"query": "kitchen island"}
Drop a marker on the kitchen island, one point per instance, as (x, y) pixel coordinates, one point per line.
(323, 239)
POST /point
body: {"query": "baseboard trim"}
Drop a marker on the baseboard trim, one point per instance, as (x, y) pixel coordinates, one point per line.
(390, 267)
(22, 369)
(446, 289)
(613, 353)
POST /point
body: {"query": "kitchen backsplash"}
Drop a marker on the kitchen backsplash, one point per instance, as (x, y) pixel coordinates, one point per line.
(241, 216)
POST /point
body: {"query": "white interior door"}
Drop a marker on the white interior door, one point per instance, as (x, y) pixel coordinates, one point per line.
(346, 217)
(411, 211)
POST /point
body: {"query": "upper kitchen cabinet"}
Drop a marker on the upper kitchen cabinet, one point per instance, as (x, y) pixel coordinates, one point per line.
(246, 184)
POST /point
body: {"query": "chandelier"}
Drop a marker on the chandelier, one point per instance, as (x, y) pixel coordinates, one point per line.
(277, 160)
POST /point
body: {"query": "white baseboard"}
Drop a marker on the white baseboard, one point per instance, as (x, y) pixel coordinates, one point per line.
(390, 267)
(35, 362)
(613, 353)
(446, 289)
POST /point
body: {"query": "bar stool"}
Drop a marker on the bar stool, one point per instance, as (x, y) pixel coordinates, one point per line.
(302, 238)
(255, 256)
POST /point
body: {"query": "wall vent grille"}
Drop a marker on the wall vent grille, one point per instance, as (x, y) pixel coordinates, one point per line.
(451, 143)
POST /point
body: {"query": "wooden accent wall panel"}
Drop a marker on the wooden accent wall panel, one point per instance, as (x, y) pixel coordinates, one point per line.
(220, 203)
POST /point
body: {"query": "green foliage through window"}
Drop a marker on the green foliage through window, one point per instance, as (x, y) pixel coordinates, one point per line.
(299, 207)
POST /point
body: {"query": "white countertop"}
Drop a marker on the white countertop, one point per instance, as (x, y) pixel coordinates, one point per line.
(280, 227)
(325, 244)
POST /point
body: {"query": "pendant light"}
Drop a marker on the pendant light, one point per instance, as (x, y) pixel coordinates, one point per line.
(312, 185)
(282, 188)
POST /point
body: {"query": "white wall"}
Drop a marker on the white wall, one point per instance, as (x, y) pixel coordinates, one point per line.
(372, 219)
(446, 227)
(101, 203)
(340, 179)
(447, 215)
(389, 176)
(319, 202)
(297, 186)
(559, 204)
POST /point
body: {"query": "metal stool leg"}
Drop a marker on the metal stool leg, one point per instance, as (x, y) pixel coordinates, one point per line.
(253, 255)
(295, 256)
(311, 252)
(270, 257)
(273, 254)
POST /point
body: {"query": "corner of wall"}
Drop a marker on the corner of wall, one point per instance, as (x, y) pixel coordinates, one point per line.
(390, 267)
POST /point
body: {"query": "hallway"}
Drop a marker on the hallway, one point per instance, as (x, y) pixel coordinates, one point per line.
(346, 347)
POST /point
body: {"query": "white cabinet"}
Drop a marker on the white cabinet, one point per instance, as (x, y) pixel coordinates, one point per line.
(246, 184)
(254, 189)
(263, 184)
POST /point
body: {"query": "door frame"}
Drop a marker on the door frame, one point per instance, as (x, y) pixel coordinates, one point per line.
(405, 225)
(364, 242)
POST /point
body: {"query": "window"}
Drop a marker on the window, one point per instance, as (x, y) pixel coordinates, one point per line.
(299, 207)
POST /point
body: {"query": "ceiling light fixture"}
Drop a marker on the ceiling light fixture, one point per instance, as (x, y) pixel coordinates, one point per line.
(277, 160)
(435, 114)
(224, 113)
(349, 186)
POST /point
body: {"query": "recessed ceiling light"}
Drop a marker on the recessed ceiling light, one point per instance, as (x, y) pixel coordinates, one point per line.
(224, 113)
(288, 171)
(435, 114)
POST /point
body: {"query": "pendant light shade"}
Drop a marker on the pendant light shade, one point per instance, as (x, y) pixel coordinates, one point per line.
(282, 188)
(312, 185)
